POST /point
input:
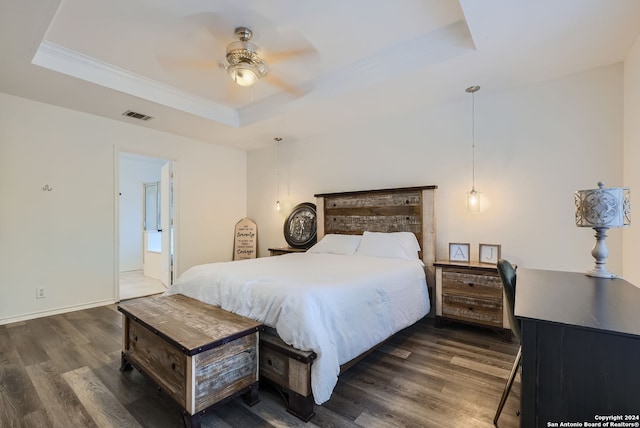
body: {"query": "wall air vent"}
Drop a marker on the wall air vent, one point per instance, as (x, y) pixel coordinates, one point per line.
(135, 115)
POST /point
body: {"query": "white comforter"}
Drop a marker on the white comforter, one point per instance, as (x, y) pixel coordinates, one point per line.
(337, 306)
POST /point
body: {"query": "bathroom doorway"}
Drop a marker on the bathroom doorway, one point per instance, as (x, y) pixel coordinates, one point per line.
(146, 235)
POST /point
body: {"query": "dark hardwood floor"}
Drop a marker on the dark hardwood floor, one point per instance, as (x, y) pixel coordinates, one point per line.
(63, 371)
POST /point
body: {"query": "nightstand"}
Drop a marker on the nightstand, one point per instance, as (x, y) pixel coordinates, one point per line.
(285, 250)
(471, 293)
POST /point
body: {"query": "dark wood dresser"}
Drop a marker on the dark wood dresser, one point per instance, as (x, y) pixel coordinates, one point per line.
(580, 348)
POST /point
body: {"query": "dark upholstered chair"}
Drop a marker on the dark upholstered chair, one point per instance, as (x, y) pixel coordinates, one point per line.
(508, 277)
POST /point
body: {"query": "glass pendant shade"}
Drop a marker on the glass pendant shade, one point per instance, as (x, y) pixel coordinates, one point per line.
(473, 200)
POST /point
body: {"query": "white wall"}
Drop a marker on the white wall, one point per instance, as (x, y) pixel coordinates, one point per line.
(65, 240)
(535, 146)
(134, 171)
(631, 157)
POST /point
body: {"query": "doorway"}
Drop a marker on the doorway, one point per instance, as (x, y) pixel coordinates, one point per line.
(145, 223)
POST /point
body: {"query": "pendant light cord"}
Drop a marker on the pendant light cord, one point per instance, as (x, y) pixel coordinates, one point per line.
(277, 140)
(472, 90)
(473, 140)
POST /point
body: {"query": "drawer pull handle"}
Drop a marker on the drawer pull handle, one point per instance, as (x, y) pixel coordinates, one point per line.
(270, 362)
(471, 284)
(173, 366)
(470, 309)
(135, 338)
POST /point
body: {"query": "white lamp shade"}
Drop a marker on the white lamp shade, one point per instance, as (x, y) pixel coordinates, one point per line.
(603, 207)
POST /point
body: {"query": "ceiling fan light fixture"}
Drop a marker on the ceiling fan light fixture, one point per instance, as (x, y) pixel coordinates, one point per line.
(245, 67)
(243, 74)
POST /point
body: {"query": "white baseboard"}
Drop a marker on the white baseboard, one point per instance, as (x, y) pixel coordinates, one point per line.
(33, 315)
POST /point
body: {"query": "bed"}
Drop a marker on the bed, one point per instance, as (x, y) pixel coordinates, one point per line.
(324, 309)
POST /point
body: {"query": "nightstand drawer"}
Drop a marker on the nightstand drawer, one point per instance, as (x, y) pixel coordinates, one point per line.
(467, 283)
(483, 311)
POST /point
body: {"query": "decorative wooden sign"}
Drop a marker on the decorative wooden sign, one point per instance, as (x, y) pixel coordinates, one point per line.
(244, 243)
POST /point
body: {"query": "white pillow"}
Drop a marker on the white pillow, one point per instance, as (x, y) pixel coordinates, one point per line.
(337, 244)
(396, 245)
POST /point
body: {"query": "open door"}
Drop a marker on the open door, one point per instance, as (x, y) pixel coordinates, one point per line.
(166, 223)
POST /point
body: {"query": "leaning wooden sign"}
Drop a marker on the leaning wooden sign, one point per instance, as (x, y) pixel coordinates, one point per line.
(244, 246)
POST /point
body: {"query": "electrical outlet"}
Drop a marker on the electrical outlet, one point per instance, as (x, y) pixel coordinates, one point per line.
(40, 294)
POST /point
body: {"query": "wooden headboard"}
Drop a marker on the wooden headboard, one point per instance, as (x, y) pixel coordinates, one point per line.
(408, 209)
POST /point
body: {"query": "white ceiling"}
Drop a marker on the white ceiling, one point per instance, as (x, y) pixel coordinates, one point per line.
(332, 62)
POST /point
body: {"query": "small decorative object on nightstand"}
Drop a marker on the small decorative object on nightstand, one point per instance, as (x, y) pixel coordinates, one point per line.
(489, 253)
(285, 250)
(459, 252)
(471, 293)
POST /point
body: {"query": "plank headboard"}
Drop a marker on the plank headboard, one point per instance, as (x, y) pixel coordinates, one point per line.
(407, 209)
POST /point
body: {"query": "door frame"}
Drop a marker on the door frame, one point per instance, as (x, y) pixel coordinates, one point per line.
(116, 195)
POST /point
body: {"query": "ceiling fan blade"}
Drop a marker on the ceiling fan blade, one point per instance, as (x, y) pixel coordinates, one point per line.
(222, 23)
(221, 29)
(170, 63)
(273, 57)
(294, 91)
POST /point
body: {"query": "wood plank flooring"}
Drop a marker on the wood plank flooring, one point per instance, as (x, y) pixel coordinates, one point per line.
(63, 371)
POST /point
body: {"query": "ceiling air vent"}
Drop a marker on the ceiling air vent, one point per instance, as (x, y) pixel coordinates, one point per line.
(135, 115)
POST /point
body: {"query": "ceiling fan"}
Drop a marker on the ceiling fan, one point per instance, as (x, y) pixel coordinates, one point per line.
(243, 64)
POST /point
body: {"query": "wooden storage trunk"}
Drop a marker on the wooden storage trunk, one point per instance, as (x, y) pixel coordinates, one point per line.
(199, 354)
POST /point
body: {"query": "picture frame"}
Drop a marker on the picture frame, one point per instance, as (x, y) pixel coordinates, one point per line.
(489, 253)
(459, 252)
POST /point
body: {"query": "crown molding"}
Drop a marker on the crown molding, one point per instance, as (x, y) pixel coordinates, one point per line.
(67, 61)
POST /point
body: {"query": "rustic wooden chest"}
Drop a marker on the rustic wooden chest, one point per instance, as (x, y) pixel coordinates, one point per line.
(199, 354)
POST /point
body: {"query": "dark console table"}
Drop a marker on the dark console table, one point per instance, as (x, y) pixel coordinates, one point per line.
(580, 348)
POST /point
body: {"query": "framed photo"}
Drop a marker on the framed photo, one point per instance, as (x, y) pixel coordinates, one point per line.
(458, 252)
(489, 253)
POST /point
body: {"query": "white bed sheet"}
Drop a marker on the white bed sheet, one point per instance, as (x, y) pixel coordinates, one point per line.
(335, 305)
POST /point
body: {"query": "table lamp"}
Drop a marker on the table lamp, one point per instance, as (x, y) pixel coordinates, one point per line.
(601, 209)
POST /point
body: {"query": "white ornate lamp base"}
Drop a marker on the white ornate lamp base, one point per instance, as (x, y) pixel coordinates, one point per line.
(600, 252)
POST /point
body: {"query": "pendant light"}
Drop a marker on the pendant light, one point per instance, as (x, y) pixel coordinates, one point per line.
(278, 205)
(473, 196)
